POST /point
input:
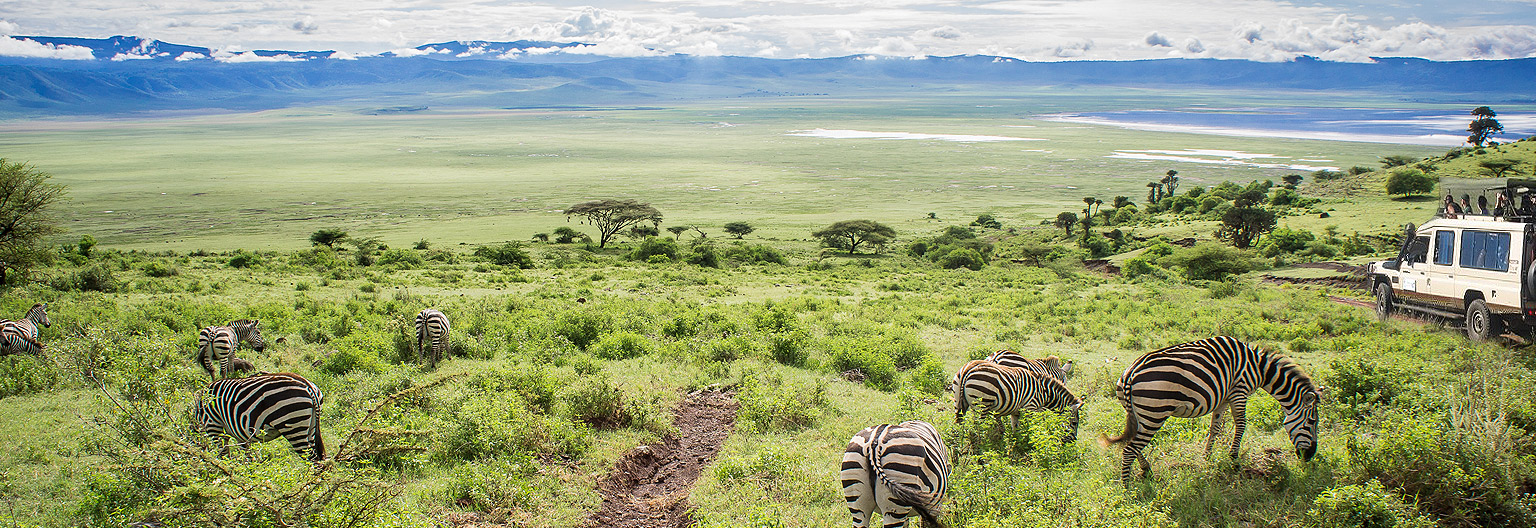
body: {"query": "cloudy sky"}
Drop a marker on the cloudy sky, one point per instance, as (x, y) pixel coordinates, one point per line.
(1350, 30)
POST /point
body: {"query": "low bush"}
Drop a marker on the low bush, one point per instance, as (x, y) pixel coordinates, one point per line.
(507, 254)
(623, 345)
(482, 426)
(1367, 506)
(770, 404)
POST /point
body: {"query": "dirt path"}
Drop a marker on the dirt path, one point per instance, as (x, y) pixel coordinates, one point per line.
(649, 486)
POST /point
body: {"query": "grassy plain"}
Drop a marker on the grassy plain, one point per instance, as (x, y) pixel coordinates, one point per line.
(451, 175)
(1444, 424)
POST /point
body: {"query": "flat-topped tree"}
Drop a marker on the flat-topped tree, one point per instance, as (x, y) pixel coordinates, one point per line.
(612, 216)
(850, 234)
(739, 229)
(1483, 126)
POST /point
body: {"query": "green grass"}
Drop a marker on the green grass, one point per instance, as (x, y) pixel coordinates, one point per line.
(777, 472)
(269, 179)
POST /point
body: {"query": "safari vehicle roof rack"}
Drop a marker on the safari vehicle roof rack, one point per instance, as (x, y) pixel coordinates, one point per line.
(1511, 199)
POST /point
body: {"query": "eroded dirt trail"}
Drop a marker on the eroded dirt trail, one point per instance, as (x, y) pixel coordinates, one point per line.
(649, 486)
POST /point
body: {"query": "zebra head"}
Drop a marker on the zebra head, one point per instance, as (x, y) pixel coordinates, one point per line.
(1073, 414)
(39, 314)
(248, 330)
(1301, 421)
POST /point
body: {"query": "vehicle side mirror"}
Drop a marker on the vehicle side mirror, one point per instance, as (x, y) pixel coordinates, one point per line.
(1392, 264)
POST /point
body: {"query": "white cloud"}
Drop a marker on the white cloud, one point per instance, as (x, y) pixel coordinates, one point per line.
(8, 28)
(248, 56)
(305, 25)
(943, 32)
(17, 47)
(189, 56)
(1158, 40)
(1193, 45)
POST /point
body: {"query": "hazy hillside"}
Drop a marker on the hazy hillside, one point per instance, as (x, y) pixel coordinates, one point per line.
(172, 76)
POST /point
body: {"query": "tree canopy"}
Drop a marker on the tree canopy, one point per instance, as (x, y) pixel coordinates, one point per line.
(327, 237)
(1066, 220)
(1242, 225)
(739, 229)
(1397, 160)
(1410, 182)
(1483, 126)
(1498, 166)
(612, 216)
(850, 234)
(26, 215)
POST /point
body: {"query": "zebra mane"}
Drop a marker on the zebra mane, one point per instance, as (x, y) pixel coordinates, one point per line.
(1282, 368)
(1051, 381)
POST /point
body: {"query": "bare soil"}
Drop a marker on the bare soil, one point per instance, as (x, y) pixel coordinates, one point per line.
(649, 485)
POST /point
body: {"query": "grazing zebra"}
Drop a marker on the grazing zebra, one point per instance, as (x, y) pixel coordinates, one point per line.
(1050, 365)
(216, 345)
(261, 408)
(1210, 376)
(896, 469)
(1004, 391)
(20, 337)
(432, 330)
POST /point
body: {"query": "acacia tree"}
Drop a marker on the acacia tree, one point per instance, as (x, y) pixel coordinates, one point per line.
(327, 237)
(1483, 126)
(1498, 166)
(1242, 225)
(1291, 180)
(612, 216)
(677, 231)
(1170, 182)
(1066, 220)
(739, 229)
(850, 234)
(26, 215)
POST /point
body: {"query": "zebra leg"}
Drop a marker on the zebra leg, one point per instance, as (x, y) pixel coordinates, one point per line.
(857, 489)
(1216, 422)
(1135, 446)
(1239, 421)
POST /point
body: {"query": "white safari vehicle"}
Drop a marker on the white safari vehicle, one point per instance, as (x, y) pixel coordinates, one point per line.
(1471, 262)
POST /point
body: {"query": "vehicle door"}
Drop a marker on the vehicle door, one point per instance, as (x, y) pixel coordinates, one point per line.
(1485, 265)
(1439, 286)
(1414, 262)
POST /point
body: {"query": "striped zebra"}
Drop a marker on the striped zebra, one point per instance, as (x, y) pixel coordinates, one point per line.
(20, 336)
(261, 408)
(431, 331)
(1210, 376)
(1050, 365)
(216, 345)
(1002, 390)
(896, 469)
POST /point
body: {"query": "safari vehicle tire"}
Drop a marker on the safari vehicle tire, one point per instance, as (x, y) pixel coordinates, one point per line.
(1480, 322)
(1383, 301)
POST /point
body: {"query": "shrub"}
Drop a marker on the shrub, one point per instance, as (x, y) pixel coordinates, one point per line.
(731, 348)
(929, 377)
(26, 375)
(1361, 383)
(1136, 267)
(401, 258)
(1409, 182)
(244, 259)
(998, 492)
(756, 254)
(1368, 506)
(595, 401)
(582, 328)
(1210, 261)
(357, 351)
(506, 481)
(159, 269)
(1461, 481)
(1284, 240)
(703, 255)
(96, 277)
(653, 247)
(878, 369)
(623, 345)
(484, 426)
(768, 403)
(962, 258)
(788, 348)
(507, 254)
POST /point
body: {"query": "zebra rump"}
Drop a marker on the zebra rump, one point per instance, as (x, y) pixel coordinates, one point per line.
(432, 331)
(897, 469)
(263, 407)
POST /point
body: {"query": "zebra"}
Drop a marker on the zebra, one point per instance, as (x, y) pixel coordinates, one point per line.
(432, 330)
(20, 336)
(262, 407)
(1050, 365)
(1210, 376)
(1004, 391)
(216, 345)
(897, 469)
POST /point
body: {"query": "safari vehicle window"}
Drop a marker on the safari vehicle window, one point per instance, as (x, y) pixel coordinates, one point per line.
(1418, 251)
(1485, 250)
(1445, 246)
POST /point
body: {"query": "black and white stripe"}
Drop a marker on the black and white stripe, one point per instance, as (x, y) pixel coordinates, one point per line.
(1002, 390)
(1050, 365)
(263, 407)
(431, 335)
(895, 469)
(21, 336)
(1210, 376)
(216, 345)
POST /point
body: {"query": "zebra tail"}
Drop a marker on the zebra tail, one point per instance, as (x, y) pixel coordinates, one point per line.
(1130, 431)
(314, 429)
(926, 504)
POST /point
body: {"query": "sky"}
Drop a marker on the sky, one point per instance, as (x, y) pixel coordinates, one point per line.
(1039, 30)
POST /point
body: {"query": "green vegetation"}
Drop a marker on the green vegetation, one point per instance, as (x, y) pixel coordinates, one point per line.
(28, 207)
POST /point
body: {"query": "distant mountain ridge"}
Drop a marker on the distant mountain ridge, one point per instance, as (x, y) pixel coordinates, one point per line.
(526, 74)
